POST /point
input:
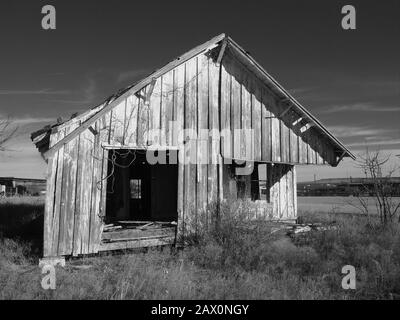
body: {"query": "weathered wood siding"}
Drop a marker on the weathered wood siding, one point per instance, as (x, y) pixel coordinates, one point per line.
(190, 95)
(75, 199)
(246, 103)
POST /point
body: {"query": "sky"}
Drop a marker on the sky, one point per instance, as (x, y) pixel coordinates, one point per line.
(349, 79)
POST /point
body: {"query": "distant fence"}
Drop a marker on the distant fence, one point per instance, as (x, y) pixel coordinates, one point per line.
(343, 190)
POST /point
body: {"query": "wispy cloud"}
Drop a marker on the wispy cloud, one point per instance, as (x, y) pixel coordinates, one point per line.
(26, 119)
(365, 107)
(360, 131)
(31, 120)
(377, 142)
(363, 136)
(131, 74)
(34, 92)
(301, 90)
(85, 96)
(387, 85)
(89, 92)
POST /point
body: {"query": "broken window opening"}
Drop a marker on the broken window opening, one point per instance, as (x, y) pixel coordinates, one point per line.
(136, 188)
(255, 186)
(140, 191)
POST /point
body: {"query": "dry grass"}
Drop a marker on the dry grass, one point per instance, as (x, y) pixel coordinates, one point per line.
(237, 261)
(340, 205)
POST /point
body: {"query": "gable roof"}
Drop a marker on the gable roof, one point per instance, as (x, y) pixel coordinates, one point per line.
(225, 42)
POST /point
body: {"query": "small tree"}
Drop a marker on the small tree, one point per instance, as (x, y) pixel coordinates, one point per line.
(7, 132)
(379, 186)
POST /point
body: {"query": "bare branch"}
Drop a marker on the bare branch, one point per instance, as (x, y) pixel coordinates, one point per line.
(7, 132)
(379, 185)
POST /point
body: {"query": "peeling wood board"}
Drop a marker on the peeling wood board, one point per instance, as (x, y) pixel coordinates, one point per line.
(256, 121)
(246, 138)
(137, 244)
(214, 148)
(202, 136)
(179, 103)
(58, 201)
(118, 124)
(236, 118)
(143, 120)
(190, 146)
(95, 217)
(155, 113)
(227, 139)
(49, 208)
(83, 195)
(167, 100)
(68, 195)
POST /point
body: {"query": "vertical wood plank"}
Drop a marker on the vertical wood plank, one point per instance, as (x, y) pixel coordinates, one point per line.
(275, 183)
(284, 141)
(236, 116)
(303, 149)
(50, 198)
(227, 139)
(276, 139)
(83, 196)
(256, 121)
(76, 248)
(213, 85)
(155, 112)
(131, 122)
(95, 219)
(266, 136)
(294, 192)
(179, 105)
(58, 201)
(282, 192)
(320, 159)
(167, 101)
(202, 132)
(86, 190)
(68, 195)
(290, 195)
(246, 151)
(118, 123)
(143, 121)
(310, 150)
(190, 147)
(294, 141)
(104, 177)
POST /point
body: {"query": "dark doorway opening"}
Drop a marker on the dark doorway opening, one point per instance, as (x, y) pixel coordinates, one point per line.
(139, 191)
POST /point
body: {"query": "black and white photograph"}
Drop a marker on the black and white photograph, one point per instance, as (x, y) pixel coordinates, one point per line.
(195, 157)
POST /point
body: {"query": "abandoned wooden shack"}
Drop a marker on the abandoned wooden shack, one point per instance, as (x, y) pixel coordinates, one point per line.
(210, 126)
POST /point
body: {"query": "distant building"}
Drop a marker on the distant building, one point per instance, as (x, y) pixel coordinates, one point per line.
(10, 186)
(344, 187)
